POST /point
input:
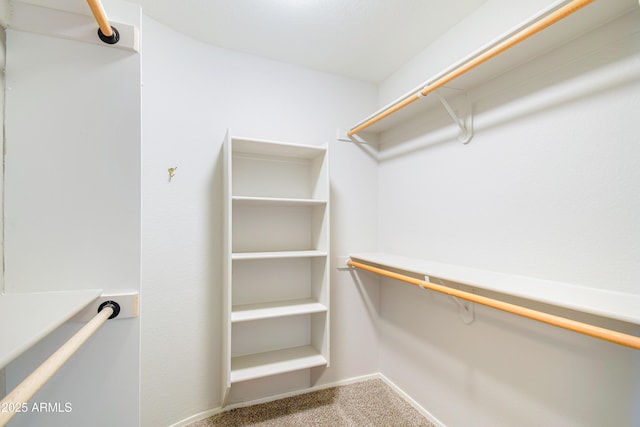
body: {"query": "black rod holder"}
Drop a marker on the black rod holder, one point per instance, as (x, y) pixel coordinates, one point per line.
(114, 305)
(113, 39)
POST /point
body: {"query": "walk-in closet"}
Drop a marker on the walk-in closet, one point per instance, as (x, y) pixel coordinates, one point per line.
(332, 213)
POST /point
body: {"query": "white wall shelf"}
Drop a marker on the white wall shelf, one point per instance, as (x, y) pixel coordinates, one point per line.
(26, 318)
(277, 201)
(253, 366)
(610, 304)
(247, 312)
(276, 293)
(584, 21)
(278, 254)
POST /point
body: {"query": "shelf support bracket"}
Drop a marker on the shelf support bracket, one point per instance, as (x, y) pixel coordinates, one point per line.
(464, 123)
(466, 309)
(342, 135)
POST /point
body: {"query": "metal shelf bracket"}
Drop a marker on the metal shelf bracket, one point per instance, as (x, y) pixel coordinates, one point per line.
(342, 135)
(463, 118)
(466, 309)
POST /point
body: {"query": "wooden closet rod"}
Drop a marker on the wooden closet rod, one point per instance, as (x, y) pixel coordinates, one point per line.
(500, 47)
(106, 32)
(15, 401)
(561, 322)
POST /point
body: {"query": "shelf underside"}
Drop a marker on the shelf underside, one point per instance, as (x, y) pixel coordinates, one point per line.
(253, 366)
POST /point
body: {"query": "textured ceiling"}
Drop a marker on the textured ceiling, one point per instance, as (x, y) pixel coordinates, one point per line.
(363, 39)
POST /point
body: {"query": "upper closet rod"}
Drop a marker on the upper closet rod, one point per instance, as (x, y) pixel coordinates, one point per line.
(561, 322)
(106, 32)
(482, 57)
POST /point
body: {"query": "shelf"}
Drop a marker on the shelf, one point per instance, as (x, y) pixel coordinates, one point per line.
(26, 318)
(239, 256)
(276, 201)
(610, 304)
(260, 365)
(243, 313)
(282, 280)
(276, 270)
(275, 228)
(588, 19)
(275, 148)
(277, 170)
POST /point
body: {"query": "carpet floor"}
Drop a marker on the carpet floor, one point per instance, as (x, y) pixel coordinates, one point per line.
(367, 403)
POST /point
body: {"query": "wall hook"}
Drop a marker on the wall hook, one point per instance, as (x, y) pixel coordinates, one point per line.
(172, 172)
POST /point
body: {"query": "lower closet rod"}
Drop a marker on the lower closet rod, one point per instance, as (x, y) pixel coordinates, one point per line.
(561, 322)
(14, 402)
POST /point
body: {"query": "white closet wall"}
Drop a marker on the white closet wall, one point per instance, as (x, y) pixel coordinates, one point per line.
(72, 210)
(3, 45)
(493, 18)
(547, 188)
(192, 93)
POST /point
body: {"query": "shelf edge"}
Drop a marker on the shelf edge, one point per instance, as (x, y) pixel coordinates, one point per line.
(599, 302)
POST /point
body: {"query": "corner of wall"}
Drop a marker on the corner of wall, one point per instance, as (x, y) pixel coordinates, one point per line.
(3, 389)
(4, 18)
(3, 50)
(3, 9)
(468, 35)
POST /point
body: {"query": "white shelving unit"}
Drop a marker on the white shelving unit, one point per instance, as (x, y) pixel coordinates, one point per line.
(276, 278)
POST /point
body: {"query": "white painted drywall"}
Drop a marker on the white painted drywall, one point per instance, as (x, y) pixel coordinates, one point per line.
(500, 370)
(193, 92)
(3, 45)
(360, 29)
(492, 20)
(489, 21)
(4, 13)
(548, 187)
(72, 211)
(3, 51)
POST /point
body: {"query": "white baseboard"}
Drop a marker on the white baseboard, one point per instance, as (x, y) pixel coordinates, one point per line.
(405, 396)
(411, 402)
(198, 417)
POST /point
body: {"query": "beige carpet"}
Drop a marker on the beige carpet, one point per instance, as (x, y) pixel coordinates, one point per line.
(367, 403)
